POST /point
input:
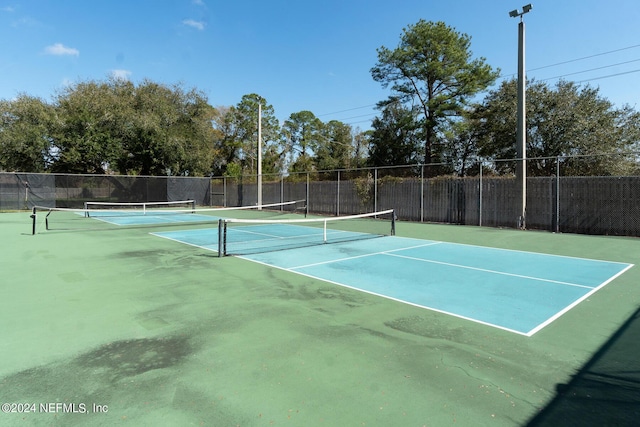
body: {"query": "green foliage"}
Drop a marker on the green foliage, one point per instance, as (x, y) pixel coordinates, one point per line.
(88, 137)
(365, 189)
(302, 163)
(25, 137)
(335, 150)
(395, 137)
(460, 147)
(432, 67)
(302, 134)
(236, 138)
(114, 126)
(233, 170)
(562, 121)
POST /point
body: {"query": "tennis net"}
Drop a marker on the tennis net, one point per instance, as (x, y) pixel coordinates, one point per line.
(136, 208)
(102, 216)
(250, 236)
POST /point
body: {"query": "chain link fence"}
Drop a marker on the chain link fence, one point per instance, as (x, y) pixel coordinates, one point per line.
(25, 190)
(580, 194)
(563, 194)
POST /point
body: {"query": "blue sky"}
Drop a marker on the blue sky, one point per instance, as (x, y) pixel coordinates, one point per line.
(303, 54)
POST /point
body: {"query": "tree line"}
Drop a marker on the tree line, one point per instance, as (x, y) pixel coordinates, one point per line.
(435, 116)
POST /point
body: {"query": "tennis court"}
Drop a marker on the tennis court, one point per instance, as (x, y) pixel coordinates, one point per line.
(435, 325)
(517, 291)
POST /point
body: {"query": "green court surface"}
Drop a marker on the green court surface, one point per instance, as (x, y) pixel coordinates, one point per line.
(120, 327)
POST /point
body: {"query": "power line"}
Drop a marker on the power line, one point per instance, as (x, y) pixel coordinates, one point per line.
(575, 60)
(347, 110)
(610, 75)
(532, 69)
(584, 57)
(591, 69)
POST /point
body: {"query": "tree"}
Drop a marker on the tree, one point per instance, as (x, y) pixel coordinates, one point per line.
(247, 123)
(87, 138)
(25, 134)
(237, 137)
(335, 149)
(151, 129)
(432, 68)
(564, 121)
(461, 147)
(302, 134)
(170, 132)
(226, 143)
(395, 137)
(361, 146)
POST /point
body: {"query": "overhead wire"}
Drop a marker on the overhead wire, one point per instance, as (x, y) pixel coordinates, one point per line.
(584, 57)
(583, 71)
(530, 70)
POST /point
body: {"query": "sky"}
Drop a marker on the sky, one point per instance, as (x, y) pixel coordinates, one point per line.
(300, 55)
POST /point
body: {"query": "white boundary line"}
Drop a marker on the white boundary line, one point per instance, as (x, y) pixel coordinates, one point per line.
(529, 252)
(159, 234)
(362, 256)
(389, 253)
(388, 297)
(579, 300)
(520, 276)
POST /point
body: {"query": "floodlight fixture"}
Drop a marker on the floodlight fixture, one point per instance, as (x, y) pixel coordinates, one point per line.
(516, 12)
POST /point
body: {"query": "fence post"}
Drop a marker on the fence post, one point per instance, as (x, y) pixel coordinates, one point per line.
(375, 190)
(224, 191)
(307, 193)
(338, 196)
(281, 191)
(558, 194)
(480, 198)
(422, 192)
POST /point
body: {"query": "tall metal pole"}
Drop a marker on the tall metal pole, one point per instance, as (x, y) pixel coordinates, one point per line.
(521, 144)
(259, 156)
(521, 137)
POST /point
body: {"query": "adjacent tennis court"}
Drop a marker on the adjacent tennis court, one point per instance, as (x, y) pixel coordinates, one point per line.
(517, 291)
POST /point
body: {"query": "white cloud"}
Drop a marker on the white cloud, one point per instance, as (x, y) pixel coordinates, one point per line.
(121, 74)
(198, 2)
(198, 25)
(59, 49)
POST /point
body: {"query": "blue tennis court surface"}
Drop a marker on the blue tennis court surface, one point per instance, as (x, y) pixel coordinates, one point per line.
(521, 292)
(149, 218)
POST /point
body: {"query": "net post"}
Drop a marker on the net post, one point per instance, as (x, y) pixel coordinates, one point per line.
(33, 222)
(393, 223)
(86, 209)
(324, 232)
(224, 239)
(220, 238)
(46, 220)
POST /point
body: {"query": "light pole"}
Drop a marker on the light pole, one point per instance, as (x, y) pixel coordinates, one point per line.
(259, 156)
(521, 139)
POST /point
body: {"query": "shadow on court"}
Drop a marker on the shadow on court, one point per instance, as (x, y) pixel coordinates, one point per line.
(606, 391)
